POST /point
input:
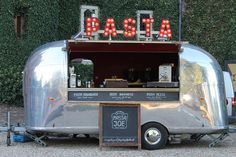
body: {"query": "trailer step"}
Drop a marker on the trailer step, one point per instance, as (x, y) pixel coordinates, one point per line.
(37, 139)
(218, 139)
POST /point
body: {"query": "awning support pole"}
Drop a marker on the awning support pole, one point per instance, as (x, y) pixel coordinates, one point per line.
(180, 20)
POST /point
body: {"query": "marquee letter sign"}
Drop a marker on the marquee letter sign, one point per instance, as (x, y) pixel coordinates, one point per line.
(93, 24)
(110, 28)
(148, 23)
(129, 26)
(165, 29)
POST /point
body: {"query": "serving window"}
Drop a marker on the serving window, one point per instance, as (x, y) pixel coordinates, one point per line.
(123, 65)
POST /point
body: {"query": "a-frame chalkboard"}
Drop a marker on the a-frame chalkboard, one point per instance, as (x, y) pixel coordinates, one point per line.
(119, 125)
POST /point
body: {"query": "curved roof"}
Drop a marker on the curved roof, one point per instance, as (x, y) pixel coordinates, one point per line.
(45, 54)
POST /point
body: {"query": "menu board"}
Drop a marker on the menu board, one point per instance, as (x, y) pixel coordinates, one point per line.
(122, 96)
(119, 125)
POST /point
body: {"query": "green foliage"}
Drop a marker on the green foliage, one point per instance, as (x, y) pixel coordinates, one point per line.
(212, 26)
(10, 63)
(85, 72)
(208, 24)
(12, 92)
(69, 18)
(41, 27)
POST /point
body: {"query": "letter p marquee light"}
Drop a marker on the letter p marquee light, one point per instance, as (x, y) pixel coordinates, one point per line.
(92, 25)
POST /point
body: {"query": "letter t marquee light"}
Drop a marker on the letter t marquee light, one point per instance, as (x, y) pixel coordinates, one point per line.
(148, 23)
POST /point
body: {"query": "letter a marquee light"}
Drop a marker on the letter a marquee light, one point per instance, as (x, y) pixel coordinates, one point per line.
(110, 28)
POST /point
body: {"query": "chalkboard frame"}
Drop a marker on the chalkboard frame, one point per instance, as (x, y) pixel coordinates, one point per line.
(101, 143)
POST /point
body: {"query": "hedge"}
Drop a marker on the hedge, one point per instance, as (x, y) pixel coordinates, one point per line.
(212, 26)
(208, 24)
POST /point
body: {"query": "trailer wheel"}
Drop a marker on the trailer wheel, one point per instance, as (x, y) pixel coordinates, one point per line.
(154, 136)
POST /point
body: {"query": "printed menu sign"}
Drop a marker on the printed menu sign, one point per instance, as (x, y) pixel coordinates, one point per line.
(122, 96)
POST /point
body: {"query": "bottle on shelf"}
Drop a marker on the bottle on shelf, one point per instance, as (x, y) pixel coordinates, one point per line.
(79, 84)
(72, 82)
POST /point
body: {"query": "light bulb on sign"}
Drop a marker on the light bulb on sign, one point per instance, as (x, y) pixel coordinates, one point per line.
(92, 25)
(130, 29)
(110, 28)
(165, 29)
(148, 23)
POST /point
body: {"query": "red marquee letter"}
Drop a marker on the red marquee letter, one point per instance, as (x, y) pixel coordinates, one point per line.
(148, 23)
(92, 25)
(110, 28)
(165, 29)
(130, 30)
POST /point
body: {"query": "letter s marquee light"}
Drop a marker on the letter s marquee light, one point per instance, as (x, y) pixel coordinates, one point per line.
(130, 30)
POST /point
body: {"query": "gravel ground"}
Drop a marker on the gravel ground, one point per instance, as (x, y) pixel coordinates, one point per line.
(68, 147)
(71, 147)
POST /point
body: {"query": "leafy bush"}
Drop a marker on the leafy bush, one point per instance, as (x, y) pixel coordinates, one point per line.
(12, 92)
(212, 26)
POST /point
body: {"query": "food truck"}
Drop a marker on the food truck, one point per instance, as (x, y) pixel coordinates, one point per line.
(179, 87)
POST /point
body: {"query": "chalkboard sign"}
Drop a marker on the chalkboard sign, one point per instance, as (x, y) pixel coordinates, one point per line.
(119, 125)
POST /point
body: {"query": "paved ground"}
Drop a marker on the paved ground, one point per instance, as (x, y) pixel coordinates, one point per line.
(68, 147)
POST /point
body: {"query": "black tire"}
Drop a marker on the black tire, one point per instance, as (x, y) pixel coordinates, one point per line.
(157, 142)
(87, 135)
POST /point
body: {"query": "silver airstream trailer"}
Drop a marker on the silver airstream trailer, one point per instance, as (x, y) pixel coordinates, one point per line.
(179, 87)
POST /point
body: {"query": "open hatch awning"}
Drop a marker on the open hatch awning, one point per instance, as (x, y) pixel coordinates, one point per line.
(123, 46)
